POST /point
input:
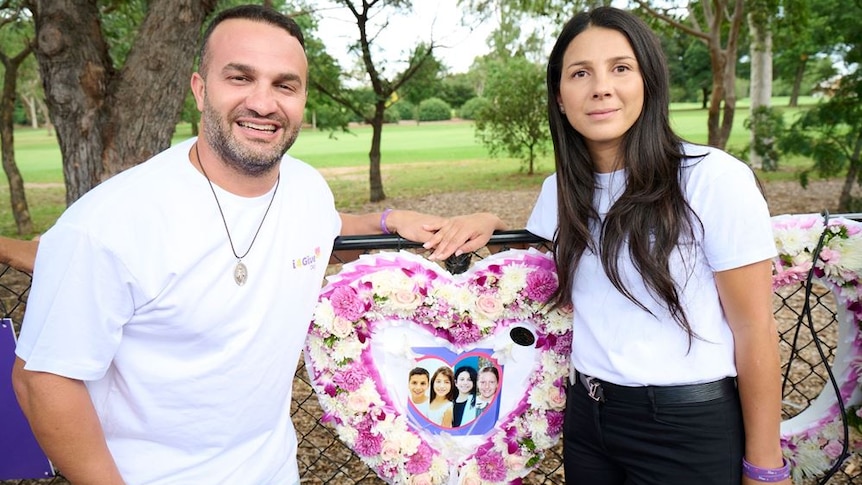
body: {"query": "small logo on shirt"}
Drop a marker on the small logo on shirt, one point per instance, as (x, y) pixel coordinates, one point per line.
(309, 261)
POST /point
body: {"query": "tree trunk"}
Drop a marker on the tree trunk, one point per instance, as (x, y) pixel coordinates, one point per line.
(374, 177)
(722, 59)
(797, 81)
(852, 176)
(108, 120)
(761, 79)
(20, 209)
(729, 106)
(714, 112)
(30, 101)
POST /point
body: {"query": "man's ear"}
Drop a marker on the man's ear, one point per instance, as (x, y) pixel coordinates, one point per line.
(198, 86)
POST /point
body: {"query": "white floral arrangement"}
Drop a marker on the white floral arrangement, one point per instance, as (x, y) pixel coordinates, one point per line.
(496, 293)
(815, 445)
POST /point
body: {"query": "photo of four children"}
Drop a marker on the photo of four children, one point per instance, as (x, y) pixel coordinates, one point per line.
(459, 398)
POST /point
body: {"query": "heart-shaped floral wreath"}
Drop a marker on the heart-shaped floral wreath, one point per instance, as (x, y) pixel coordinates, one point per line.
(813, 440)
(505, 291)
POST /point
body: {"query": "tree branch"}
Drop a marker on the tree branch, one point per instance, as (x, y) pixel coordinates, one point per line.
(695, 30)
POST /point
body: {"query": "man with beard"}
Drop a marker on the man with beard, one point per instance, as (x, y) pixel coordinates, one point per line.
(170, 303)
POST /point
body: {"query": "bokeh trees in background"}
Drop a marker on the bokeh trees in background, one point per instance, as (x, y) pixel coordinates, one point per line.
(16, 31)
(120, 100)
(366, 15)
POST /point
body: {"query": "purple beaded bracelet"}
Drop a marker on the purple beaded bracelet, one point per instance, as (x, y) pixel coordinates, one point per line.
(383, 217)
(766, 474)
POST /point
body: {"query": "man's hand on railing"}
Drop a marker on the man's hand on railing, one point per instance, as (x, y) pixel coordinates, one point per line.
(461, 234)
(18, 253)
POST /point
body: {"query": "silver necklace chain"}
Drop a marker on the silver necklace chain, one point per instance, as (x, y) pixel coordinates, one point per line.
(240, 273)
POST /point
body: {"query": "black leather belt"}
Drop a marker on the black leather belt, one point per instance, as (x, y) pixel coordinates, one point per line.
(687, 394)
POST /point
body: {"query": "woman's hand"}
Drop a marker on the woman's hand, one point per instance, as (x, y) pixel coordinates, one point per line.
(461, 234)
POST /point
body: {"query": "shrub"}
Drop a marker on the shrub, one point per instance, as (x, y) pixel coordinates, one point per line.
(434, 109)
(391, 115)
(406, 109)
(471, 107)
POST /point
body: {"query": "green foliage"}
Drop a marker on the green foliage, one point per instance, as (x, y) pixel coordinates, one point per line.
(831, 135)
(328, 116)
(120, 21)
(765, 122)
(469, 110)
(434, 109)
(457, 89)
(426, 81)
(514, 121)
(406, 110)
(19, 116)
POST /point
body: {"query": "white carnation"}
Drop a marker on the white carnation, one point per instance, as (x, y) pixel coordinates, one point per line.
(324, 315)
(347, 349)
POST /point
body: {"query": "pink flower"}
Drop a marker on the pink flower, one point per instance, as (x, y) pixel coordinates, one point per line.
(350, 379)
(555, 422)
(358, 401)
(541, 284)
(405, 298)
(557, 398)
(492, 467)
(368, 444)
(489, 306)
(515, 463)
(420, 461)
(563, 344)
(833, 449)
(347, 304)
(465, 332)
(828, 255)
(423, 479)
(341, 327)
(790, 276)
(390, 450)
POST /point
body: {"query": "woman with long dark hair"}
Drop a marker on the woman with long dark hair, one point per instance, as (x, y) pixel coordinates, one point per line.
(441, 397)
(663, 249)
(464, 406)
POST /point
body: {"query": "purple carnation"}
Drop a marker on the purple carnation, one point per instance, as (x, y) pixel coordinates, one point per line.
(368, 444)
(350, 379)
(420, 461)
(347, 304)
(492, 467)
(465, 333)
(563, 345)
(555, 422)
(541, 284)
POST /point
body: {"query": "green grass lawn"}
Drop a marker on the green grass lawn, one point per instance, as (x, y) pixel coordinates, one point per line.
(416, 160)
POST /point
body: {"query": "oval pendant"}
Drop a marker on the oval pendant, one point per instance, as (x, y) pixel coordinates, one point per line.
(240, 273)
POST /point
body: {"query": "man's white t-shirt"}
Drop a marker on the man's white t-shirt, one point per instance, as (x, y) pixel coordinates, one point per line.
(133, 293)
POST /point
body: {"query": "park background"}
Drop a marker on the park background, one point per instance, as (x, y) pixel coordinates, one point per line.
(391, 122)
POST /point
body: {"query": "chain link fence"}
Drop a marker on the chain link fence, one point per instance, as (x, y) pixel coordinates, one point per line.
(323, 459)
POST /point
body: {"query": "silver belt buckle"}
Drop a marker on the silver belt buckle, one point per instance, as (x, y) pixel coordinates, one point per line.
(594, 388)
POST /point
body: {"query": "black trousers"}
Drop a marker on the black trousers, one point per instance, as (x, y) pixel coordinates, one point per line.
(639, 438)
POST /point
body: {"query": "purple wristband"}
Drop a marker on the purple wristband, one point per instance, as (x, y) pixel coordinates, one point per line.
(766, 474)
(383, 217)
